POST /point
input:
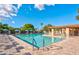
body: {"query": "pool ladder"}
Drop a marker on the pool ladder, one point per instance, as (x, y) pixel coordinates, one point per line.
(34, 42)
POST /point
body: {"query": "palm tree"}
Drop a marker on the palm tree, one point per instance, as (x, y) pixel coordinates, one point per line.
(77, 17)
(41, 24)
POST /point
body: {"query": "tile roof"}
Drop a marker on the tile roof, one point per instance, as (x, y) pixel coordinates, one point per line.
(69, 26)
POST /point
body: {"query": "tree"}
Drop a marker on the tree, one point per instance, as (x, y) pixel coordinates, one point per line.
(49, 25)
(46, 27)
(77, 17)
(27, 27)
(11, 28)
(5, 26)
(1, 25)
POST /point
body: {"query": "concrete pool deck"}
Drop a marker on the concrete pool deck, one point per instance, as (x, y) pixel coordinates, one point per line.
(68, 46)
(10, 45)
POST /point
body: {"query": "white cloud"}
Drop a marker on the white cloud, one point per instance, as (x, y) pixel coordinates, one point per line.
(13, 22)
(13, 14)
(19, 5)
(3, 13)
(8, 10)
(39, 6)
(50, 4)
(42, 6)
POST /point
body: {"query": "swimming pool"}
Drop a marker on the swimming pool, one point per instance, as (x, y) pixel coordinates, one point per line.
(38, 40)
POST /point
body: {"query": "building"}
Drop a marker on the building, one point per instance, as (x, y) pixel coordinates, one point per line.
(68, 30)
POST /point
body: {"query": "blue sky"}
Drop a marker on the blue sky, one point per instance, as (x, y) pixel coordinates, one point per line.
(59, 14)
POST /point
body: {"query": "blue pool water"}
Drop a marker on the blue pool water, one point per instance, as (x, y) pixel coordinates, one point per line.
(38, 40)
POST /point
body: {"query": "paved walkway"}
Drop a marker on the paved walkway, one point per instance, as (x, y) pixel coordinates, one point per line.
(69, 46)
(66, 47)
(10, 45)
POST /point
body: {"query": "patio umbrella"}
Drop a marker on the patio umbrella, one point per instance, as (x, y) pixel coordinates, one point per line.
(6, 31)
(27, 31)
(31, 31)
(17, 31)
